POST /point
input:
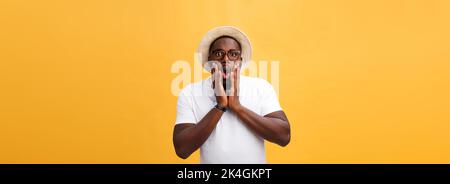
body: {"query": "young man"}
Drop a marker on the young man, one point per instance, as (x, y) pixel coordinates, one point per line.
(228, 116)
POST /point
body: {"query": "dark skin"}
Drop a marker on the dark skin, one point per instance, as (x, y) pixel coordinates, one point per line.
(273, 127)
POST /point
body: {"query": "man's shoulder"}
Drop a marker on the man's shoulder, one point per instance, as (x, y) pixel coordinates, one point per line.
(194, 88)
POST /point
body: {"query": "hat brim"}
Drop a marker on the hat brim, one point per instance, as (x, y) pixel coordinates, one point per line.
(213, 34)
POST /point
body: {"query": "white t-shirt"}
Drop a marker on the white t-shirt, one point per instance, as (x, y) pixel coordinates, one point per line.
(231, 141)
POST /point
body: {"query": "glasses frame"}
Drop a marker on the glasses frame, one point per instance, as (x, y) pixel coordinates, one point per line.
(227, 53)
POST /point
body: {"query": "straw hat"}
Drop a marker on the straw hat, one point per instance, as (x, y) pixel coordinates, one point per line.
(213, 34)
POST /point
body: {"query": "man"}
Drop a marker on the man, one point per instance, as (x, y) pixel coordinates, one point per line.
(228, 116)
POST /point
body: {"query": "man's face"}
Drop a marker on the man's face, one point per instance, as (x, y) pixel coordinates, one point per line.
(227, 51)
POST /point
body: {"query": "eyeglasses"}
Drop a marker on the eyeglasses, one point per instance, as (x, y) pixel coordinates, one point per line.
(220, 54)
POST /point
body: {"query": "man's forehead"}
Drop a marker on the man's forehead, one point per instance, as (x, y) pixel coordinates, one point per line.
(226, 42)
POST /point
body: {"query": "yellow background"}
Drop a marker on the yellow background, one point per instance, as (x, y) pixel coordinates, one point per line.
(88, 81)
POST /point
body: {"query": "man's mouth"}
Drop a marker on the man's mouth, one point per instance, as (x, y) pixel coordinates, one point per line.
(225, 75)
(226, 71)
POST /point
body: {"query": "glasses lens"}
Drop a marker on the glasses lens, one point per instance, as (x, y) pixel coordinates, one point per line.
(218, 54)
(234, 55)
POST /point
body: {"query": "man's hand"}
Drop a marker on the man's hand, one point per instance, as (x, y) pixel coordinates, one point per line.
(221, 96)
(233, 98)
(230, 98)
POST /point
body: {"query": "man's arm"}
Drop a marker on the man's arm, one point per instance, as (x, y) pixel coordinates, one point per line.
(273, 127)
(188, 137)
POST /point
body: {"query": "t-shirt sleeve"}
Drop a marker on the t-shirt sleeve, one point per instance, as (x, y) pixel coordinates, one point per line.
(269, 99)
(185, 111)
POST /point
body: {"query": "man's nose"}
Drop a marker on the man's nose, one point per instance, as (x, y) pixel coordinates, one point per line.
(225, 59)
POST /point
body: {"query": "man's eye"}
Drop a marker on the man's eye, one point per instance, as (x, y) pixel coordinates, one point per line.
(235, 54)
(218, 54)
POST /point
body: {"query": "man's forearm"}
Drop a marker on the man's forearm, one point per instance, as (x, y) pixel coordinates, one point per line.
(191, 138)
(273, 129)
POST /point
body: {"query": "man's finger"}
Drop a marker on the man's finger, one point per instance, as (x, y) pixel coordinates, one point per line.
(216, 73)
(218, 81)
(216, 76)
(233, 80)
(236, 81)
